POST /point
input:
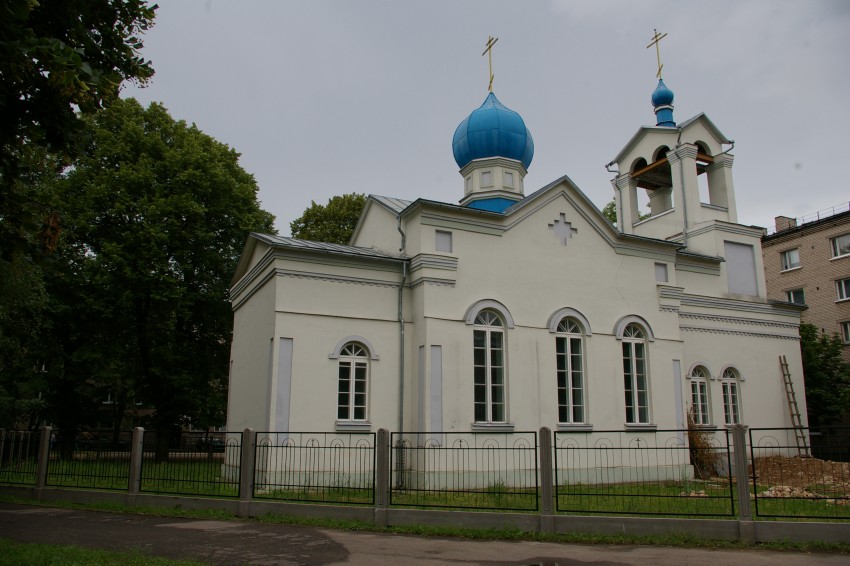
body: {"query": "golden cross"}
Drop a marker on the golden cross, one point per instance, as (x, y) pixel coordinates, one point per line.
(655, 39)
(491, 41)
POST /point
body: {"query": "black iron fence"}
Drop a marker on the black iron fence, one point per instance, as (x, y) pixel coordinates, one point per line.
(201, 463)
(315, 467)
(465, 470)
(801, 473)
(785, 473)
(661, 472)
(18, 456)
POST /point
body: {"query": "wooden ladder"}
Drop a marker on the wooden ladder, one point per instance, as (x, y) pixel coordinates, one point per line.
(794, 409)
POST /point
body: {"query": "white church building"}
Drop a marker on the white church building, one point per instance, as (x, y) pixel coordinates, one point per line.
(511, 311)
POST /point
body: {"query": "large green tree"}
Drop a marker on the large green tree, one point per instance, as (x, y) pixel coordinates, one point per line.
(826, 375)
(333, 222)
(59, 59)
(156, 214)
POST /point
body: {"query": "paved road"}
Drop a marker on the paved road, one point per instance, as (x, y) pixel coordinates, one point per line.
(243, 542)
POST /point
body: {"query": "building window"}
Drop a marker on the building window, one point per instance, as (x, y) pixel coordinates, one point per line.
(731, 397)
(661, 273)
(841, 246)
(569, 352)
(843, 287)
(795, 296)
(489, 367)
(486, 179)
(353, 382)
(508, 179)
(699, 395)
(845, 332)
(469, 184)
(635, 375)
(790, 259)
(444, 241)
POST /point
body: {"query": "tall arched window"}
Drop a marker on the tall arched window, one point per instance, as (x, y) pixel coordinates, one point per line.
(569, 353)
(353, 383)
(729, 381)
(699, 395)
(489, 367)
(635, 375)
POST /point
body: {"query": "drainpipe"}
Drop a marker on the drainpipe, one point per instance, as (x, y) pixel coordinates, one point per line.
(400, 456)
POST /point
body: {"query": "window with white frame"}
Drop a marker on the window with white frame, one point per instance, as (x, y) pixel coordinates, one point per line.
(843, 288)
(486, 178)
(790, 259)
(845, 331)
(795, 296)
(635, 375)
(699, 396)
(841, 245)
(730, 383)
(353, 365)
(569, 353)
(489, 367)
(508, 179)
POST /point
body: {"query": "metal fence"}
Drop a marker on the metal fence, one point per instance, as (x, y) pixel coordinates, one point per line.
(662, 472)
(465, 470)
(322, 467)
(809, 482)
(201, 463)
(91, 459)
(18, 456)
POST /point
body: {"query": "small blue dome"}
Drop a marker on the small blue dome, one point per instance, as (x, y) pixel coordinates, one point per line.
(662, 96)
(492, 130)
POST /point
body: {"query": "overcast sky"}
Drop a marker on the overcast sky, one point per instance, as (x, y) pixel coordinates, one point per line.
(329, 97)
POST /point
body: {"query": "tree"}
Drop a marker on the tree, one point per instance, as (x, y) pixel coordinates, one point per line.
(333, 222)
(156, 215)
(826, 375)
(58, 59)
(610, 212)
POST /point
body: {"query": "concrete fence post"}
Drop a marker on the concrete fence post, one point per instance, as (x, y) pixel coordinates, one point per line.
(746, 527)
(137, 449)
(382, 476)
(247, 461)
(43, 458)
(547, 480)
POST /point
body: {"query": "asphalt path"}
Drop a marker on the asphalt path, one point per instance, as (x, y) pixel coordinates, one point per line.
(248, 542)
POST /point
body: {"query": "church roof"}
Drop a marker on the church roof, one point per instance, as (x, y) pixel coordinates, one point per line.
(325, 247)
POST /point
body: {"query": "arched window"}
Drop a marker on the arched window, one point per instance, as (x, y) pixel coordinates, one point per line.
(569, 354)
(729, 381)
(489, 367)
(635, 375)
(353, 365)
(699, 395)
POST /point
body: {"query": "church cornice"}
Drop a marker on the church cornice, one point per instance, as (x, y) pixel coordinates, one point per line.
(747, 333)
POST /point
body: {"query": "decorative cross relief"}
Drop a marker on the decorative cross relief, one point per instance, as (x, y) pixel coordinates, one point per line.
(563, 230)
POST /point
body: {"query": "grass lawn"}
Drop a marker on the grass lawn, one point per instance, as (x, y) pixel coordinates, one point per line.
(29, 554)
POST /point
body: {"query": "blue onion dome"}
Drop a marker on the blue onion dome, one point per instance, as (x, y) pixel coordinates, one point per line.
(662, 96)
(492, 130)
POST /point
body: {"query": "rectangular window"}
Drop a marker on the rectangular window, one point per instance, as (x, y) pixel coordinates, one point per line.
(790, 259)
(508, 179)
(661, 273)
(570, 380)
(841, 245)
(444, 241)
(845, 332)
(489, 376)
(635, 383)
(699, 401)
(486, 179)
(730, 402)
(469, 184)
(843, 287)
(795, 296)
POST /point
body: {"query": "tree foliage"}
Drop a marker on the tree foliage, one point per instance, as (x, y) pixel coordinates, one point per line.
(58, 59)
(609, 211)
(333, 222)
(826, 375)
(156, 214)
